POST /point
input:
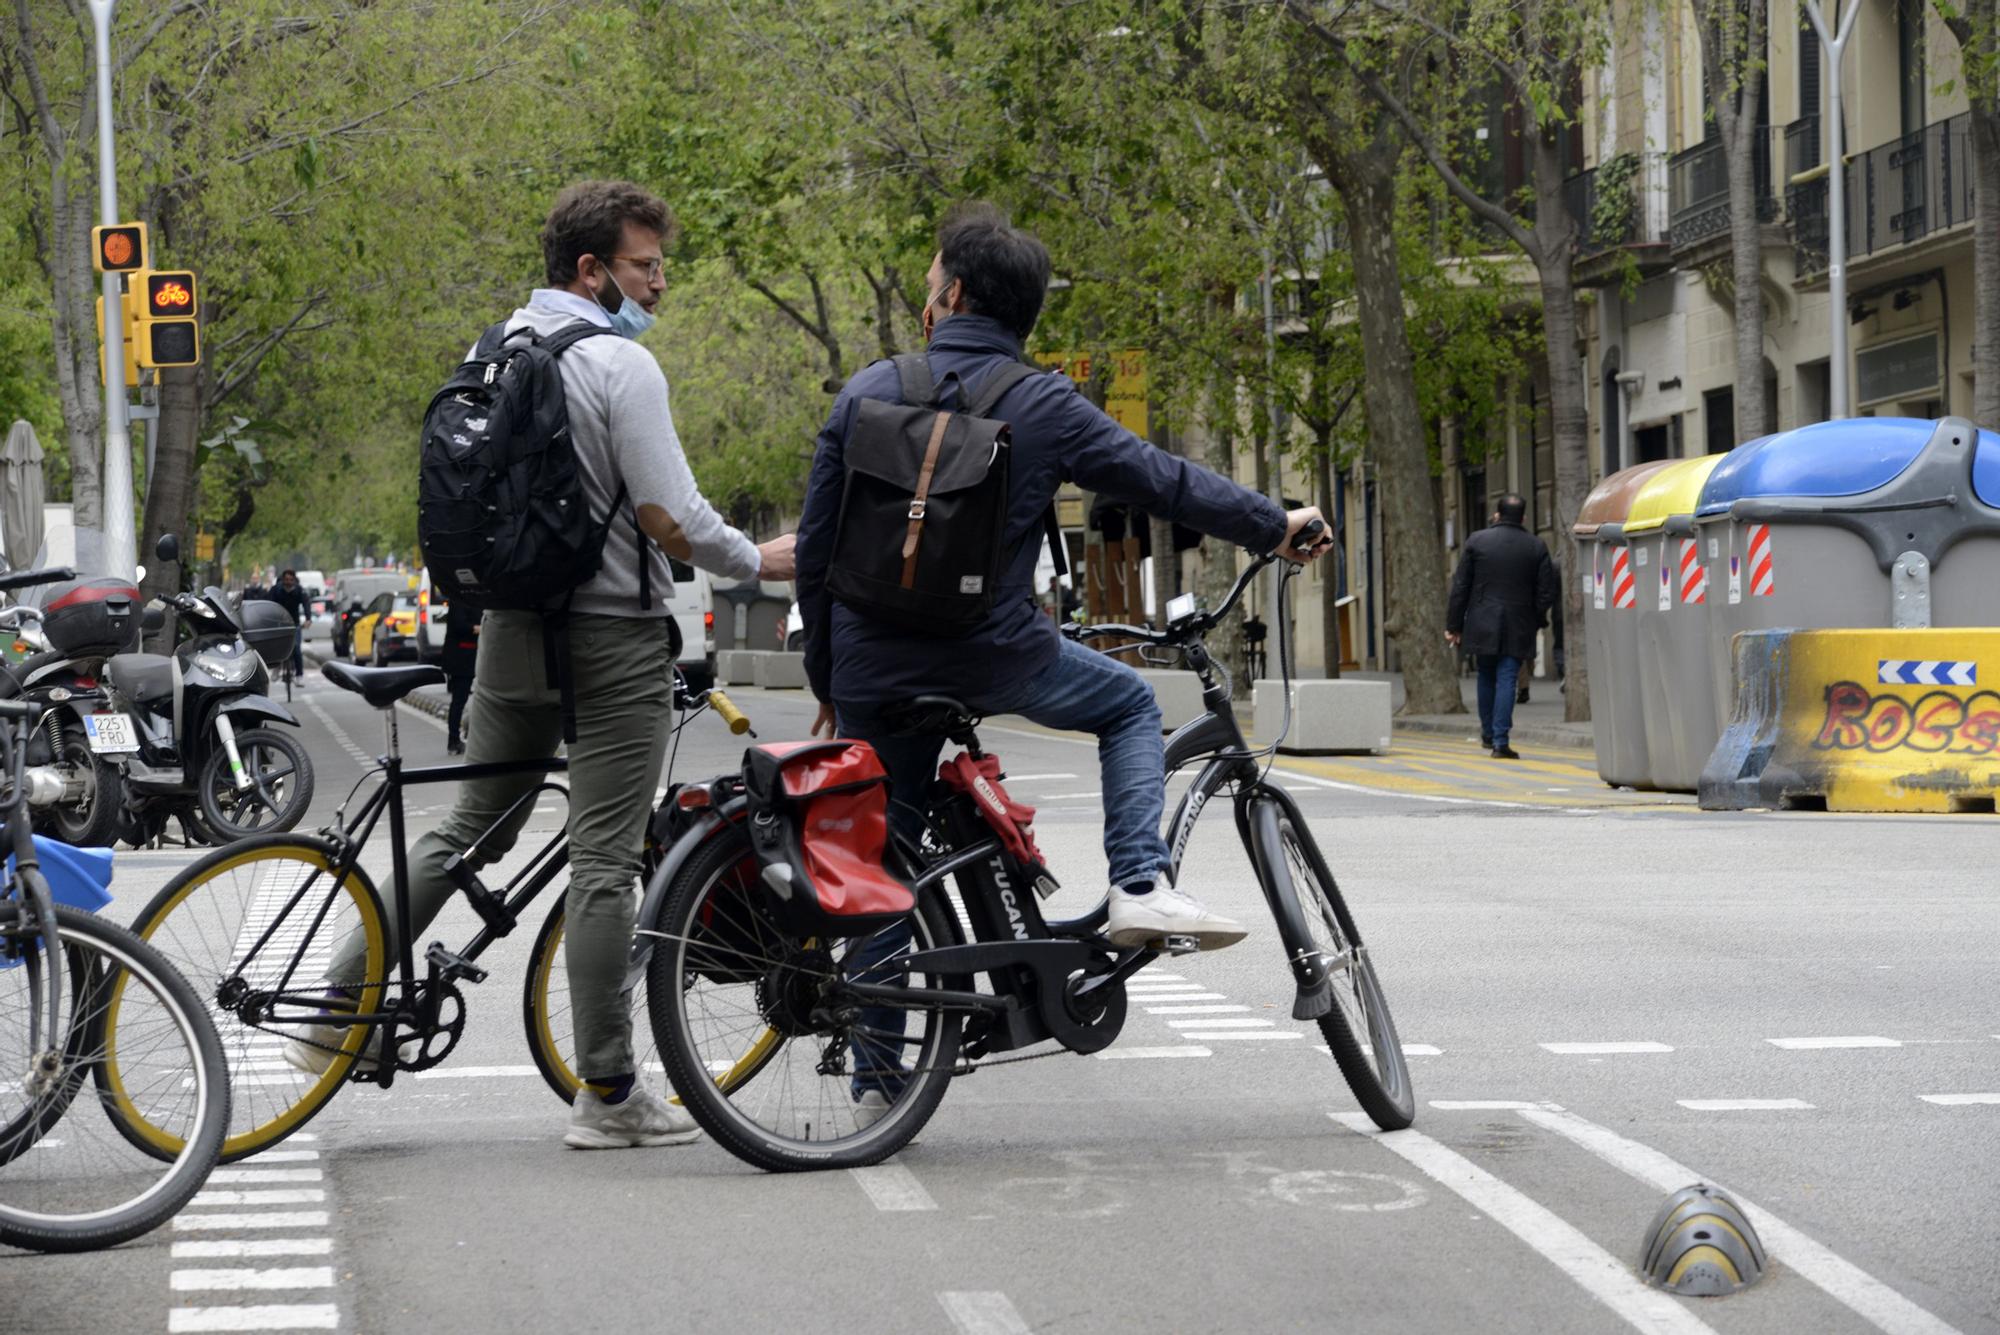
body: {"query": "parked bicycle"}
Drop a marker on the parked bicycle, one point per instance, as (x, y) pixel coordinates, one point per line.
(83, 1000)
(768, 1032)
(257, 924)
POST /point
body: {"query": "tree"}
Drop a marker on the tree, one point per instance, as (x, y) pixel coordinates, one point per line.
(1976, 25)
(1735, 35)
(1534, 50)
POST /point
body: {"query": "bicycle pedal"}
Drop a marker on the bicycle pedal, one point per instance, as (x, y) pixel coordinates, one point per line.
(451, 965)
(1179, 945)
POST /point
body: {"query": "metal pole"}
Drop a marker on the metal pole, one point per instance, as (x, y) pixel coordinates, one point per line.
(1835, 45)
(121, 542)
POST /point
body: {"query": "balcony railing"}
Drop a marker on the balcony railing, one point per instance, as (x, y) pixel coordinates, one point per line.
(1902, 191)
(1599, 229)
(1698, 189)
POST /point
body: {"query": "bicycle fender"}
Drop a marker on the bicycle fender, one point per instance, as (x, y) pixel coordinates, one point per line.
(655, 902)
(260, 705)
(1257, 814)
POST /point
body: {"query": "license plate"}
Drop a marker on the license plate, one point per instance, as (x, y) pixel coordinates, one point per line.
(111, 733)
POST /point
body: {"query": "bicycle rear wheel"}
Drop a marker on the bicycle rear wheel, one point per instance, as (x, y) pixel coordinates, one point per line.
(83, 1184)
(764, 1051)
(545, 1013)
(207, 920)
(1359, 1031)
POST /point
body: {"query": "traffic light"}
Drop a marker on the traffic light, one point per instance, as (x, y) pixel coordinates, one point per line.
(131, 342)
(119, 249)
(168, 333)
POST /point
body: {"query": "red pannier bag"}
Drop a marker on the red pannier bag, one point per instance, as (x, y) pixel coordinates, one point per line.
(819, 825)
(1012, 822)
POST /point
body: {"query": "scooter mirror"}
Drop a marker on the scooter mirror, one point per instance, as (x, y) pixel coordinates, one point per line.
(154, 618)
(168, 549)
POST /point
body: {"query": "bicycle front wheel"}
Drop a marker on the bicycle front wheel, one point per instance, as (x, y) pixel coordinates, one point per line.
(82, 1184)
(546, 1015)
(1359, 1031)
(235, 923)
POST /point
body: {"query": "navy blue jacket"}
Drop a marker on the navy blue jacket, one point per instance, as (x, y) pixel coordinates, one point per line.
(1058, 436)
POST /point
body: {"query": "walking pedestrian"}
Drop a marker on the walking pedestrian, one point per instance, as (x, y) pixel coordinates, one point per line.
(601, 248)
(1501, 593)
(461, 657)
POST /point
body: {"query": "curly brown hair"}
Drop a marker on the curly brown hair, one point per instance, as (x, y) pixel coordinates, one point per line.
(589, 218)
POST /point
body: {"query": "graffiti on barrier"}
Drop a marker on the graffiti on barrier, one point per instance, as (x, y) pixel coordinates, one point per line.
(1859, 720)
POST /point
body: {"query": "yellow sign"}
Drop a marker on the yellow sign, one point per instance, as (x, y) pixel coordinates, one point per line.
(204, 546)
(1125, 392)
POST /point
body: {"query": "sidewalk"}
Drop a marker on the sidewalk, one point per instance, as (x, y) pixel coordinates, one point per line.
(1538, 723)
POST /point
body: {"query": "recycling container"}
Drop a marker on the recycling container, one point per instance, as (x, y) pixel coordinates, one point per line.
(1862, 522)
(1611, 627)
(1676, 698)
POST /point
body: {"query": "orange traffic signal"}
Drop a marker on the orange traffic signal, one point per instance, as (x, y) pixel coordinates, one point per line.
(119, 249)
(168, 293)
(169, 343)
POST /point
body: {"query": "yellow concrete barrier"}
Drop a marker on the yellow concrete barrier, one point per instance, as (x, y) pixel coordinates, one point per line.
(1861, 720)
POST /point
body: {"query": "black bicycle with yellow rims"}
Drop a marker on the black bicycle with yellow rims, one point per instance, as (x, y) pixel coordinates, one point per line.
(311, 980)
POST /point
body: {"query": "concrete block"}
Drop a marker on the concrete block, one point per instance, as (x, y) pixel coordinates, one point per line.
(1179, 694)
(737, 667)
(1328, 717)
(779, 672)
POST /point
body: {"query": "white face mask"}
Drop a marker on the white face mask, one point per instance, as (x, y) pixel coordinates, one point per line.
(929, 322)
(630, 319)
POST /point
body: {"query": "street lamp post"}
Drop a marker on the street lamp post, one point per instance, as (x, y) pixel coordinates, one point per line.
(121, 541)
(1835, 44)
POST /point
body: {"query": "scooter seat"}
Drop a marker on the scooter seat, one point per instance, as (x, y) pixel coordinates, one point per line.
(383, 686)
(144, 679)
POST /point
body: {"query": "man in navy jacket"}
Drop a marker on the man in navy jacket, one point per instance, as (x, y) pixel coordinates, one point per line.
(986, 289)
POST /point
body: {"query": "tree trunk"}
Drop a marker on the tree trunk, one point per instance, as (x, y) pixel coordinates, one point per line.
(1555, 234)
(1414, 555)
(1218, 558)
(1986, 263)
(1747, 271)
(1329, 565)
(79, 382)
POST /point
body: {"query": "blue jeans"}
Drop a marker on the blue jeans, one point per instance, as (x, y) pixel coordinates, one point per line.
(1498, 676)
(1082, 691)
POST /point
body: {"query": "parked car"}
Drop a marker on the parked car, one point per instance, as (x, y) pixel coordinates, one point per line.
(693, 605)
(792, 631)
(354, 591)
(432, 609)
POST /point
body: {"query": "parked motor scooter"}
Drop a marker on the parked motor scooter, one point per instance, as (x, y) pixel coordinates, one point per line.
(201, 745)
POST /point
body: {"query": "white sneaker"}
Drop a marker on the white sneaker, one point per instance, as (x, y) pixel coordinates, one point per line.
(870, 1108)
(304, 1055)
(1167, 910)
(643, 1119)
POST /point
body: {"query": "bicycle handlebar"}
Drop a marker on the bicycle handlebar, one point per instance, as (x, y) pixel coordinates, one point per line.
(1311, 536)
(22, 579)
(734, 717)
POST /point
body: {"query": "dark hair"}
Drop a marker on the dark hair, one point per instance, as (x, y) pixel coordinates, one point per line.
(1004, 269)
(589, 219)
(1512, 508)
(289, 574)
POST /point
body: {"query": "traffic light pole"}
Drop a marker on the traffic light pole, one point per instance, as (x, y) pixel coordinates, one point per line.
(119, 555)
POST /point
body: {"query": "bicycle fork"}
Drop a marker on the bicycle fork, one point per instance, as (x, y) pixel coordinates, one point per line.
(1258, 811)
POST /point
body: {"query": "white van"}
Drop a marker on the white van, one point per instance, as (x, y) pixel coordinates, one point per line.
(693, 606)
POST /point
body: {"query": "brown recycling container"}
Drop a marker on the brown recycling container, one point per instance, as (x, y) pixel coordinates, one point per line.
(1611, 627)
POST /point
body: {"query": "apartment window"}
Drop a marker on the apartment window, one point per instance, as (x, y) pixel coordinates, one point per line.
(1910, 60)
(1718, 412)
(1652, 443)
(1809, 57)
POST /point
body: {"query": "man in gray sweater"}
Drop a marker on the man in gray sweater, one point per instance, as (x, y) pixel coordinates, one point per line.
(602, 251)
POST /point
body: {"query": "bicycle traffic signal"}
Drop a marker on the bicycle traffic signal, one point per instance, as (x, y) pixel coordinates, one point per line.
(118, 249)
(168, 332)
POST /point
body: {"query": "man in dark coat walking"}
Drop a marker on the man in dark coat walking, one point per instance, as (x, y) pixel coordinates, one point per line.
(1500, 596)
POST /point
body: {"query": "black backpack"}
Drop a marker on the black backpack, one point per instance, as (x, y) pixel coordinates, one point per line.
(501, 512)
(923, 515)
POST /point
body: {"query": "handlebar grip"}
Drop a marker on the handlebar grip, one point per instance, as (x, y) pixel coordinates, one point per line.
(738, 722)
(22, 579)
(1309, 536)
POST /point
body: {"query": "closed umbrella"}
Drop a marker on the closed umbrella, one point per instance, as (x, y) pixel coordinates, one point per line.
(21, 496)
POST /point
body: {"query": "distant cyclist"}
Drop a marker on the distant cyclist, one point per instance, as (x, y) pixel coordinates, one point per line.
(291, 596)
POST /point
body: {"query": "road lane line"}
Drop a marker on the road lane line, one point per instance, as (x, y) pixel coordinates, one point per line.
(1581, 1049)
(276, 1219)
(1599, 1273)
(286, 1156)
(1195, 1010)
(340, 737)
(306, 1196)
(1232, 1022)
(194, 1249)
(1485, 1105)
(1409, 1049)
(224, 1176)
(1849, 1041)
(299, 1277)
(1144, 1054)
(893, 1187)
(986, 1313)
(1179, 996)
(1743, 1105)
(315, 1316)
(1842, 1280)
(478, 1072)
(1959, 1100)
(1223, 1035)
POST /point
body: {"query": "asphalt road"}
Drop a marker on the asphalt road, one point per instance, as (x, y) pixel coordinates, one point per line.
(1604, 999)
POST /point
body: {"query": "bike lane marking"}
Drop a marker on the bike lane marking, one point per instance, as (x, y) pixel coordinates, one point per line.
(1959, 1100)
(1595, 1270)
(251, 1211)
(893, 1188)
(1842, 1280)
(983, 1313)
(1593, 1049)
(289, 1316)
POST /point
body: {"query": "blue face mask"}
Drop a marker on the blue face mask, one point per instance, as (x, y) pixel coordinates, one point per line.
(630, 319)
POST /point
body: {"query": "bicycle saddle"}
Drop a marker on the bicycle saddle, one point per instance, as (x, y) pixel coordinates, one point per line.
(929, 716)
(383, 686)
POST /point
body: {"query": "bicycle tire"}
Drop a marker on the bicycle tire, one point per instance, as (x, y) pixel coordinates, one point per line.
(180, 922)
(109, 1225)
(545, 1012)
(670, 983)
(23, 1129)
(1380, 1076)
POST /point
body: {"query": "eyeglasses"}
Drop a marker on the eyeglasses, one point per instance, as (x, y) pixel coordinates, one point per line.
(653, 264)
